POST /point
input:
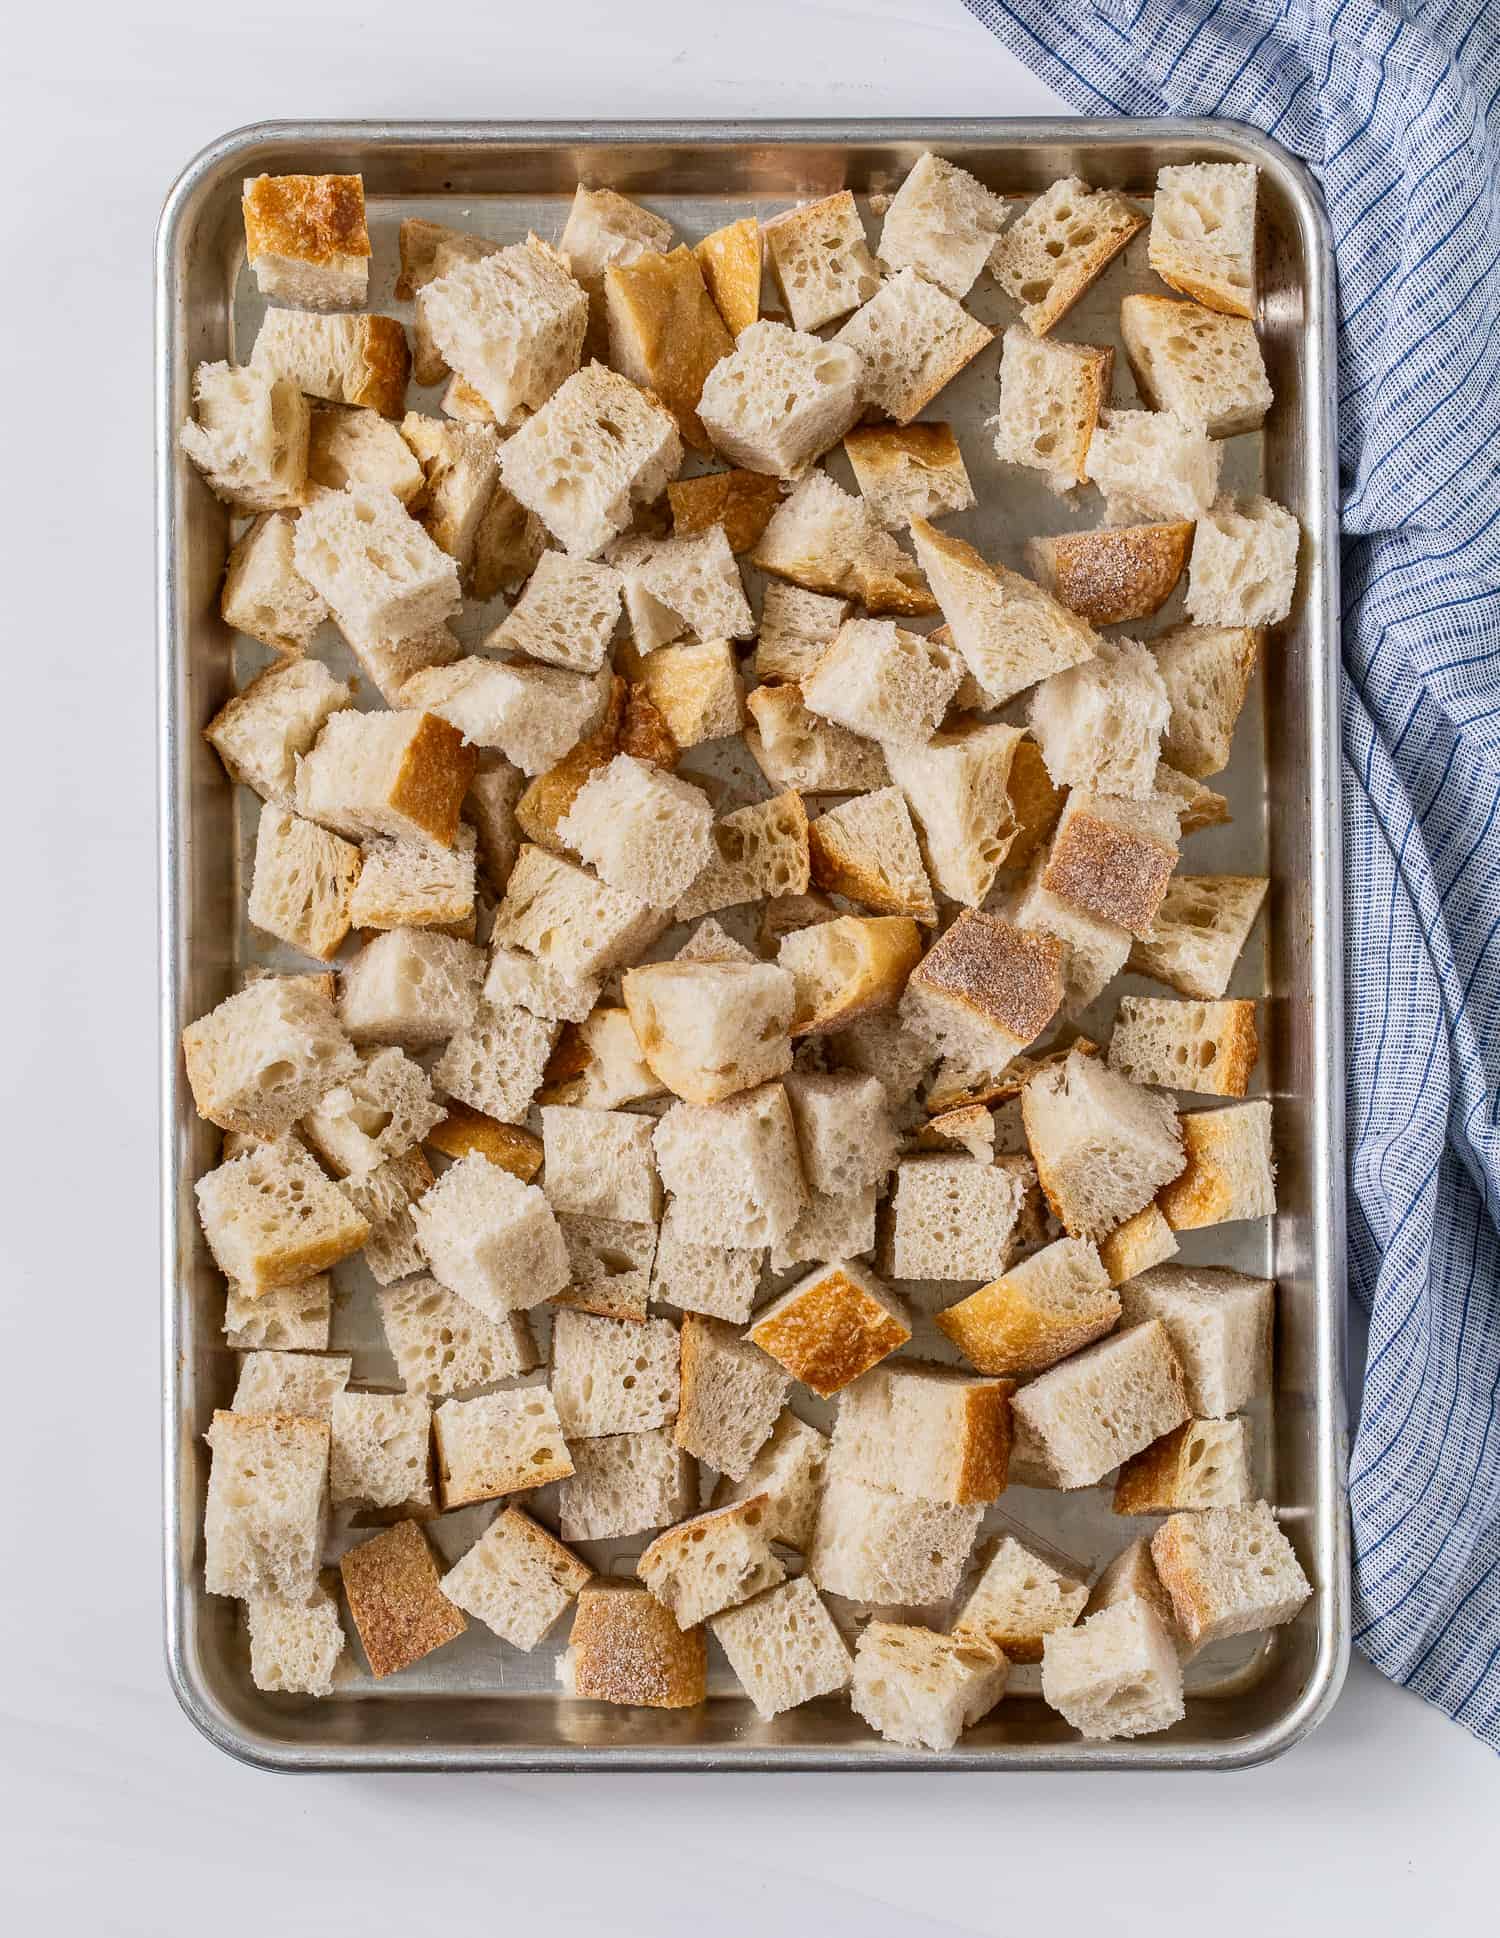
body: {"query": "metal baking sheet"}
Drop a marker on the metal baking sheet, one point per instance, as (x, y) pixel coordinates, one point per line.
(478, 1704)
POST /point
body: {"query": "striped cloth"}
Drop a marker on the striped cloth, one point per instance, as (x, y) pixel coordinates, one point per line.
(1396, 108)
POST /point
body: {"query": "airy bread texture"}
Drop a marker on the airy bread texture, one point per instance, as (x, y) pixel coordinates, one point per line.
(925, 1431)
(626, 1483)
(295, 1647)
(909, 471)
(665, 332)
(271, 1218)
(1099, 725)
(612, 1375)
(1108, 577)
(1198, 932)
(1229, 1571)
(984, 991)
(646, 833)
(491, 1239)
(380, 1449)
(957, 787)
(1205, 1463)
(1134, 1247)
(626, 1648)
(599, 1065)
(846, 968)
(832, 1326)
(511, 324)
(566, 616)
(1206, 671)
(412, 988)
(682, 585)
(954, 1217)
(883, 682)
(1116, 1674)
(924, 1690)
(517, 1579)
(1206, 367)
(712, 1279)
(826, 540)
(267, 1507)
(732, 1395)
(360, 360)
(400, 1612)
(1019, 1600)
(781, 399)
(1230, 1171)
(730, 259)
(831, 1225)
(379, 1111)
(796, 629)
(1243, 571)
(250, 435)
(407, 884)
(460, 478)
(820, 260)
(496, 1063)
(942, 223)
(610, 1262)
(866, 848)
(913, 339)
(1203, 233)
(1099, 1407)
(712, 1029)
(443, 1346)
(306, 239)
(1220, 1326)
(499, 1443)
(403, 774)
(385, 1197)
(357, 446)
(294, 1318)
(533, 714)
(1113, 858)
(1103, 1146)
(300, 1385)
(761, 850)
(1153, 464)
(264, 1056)
(1042, 1309)
(696, 690)
(599, 1164)
(844, 1129)
(266, 596)
(713, 1561)
(875, 1546)
(794, 748)
(1051, 394)
(784, 1648)
(1206, 1047)
(565, 917)
(788, 1473)
(1062, 243)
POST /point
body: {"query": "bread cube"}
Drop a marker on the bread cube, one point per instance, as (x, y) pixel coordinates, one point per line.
(1042, 1309)
(1206, 671)
(547, 799)
(602, 228)
(696, 690)
(909, 471)
(517, 1579)
(1114, 1675)
(1051, 395)
(249, 437)
(1205, 367)
(260, 732)
(613, 1376)
(1019, 1600)
(820, 261)
(378, 570)
(914, 338)
(781, 399)
(1198, 932)
(674, 586)
(832, 1225)
(664, 332)
(306, 240)
(710, 1030)
(731, 1396)
(411, 988)
(1099, 725)
(1230, 1171)
(784, 1648)
(401, 774)
(1153, 465)
(380, 1449)
(267, 1506)
(301, 1385)
(626, 1648)
(793, 748)
(648, 834)
(1113, 858)
(294, 1318)
(387, 1089)
(534, 715)
(1104, 1404)
(596, 448)
(599, 1164)
(271, 1218)
(442, 1345)
(409, 884)
(626, 1483)
(490, 805)
(567, 614)
(1203, 233)
(954, 1218)
(796, 629)
(866, 848)
(459, 477)
(985, 990)
(610, 1264)
(427, 250)
(1229, 1571)
(400, 1612)
(1220, 1325)
(874, 1546)
(357, 360)
(733, 1168)
(263, 1057)
(498, 1443)
(826, 540)
(788, 1473)
(598, 1065)
(1132, 1575)
(389, 663)
(511, 324)
(1202, 1464)
(761, 850)
(844, 1130)
(714, 1561)
(1061, 244)
(847, 968)
(942, 223)
(926, 1432)
(739, 501)
(711, 1279)
(357, 446)
(1207, 1047)
(491, 1239)
(265, 595)
(832, 1326)
(730, 259)
(579, 926)
(1103, 1146)
(924, 1690)
(1134, 1247)
(957, 788)
(295, 1646)
(883, 682)
(1243, 571)
(1114, 575)
(496, 1063)
(385, 1197)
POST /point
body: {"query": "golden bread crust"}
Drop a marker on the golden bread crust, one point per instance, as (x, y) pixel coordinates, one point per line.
(731, 261)
(627, 1648)
(401, 1613)
(311, 218)
(741, 501)
(464, 1130)
(830, 1334)
(1106, 577)
(665, 333)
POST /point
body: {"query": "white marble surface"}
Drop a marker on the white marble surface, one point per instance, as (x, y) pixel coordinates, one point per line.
(114, 1817)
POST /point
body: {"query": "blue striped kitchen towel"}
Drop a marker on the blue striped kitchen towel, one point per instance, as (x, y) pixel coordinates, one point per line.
(1395, 106)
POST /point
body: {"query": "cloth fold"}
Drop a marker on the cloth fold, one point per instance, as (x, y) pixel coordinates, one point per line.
(1396, 109)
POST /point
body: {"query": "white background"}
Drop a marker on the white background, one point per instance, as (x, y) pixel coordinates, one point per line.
(114, 1817)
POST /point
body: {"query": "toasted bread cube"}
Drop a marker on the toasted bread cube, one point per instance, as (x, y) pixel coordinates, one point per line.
(460, 476)
(761, 850)
(1051, 394)
(444, 1346)
(517, 1579)
(1103, 1146)
(563, 916)
(914, 338)
(267, 1506)
(788, 1473)
(626, 1483)
(533, 714)
(401, 774)
(1113, 858)
(613, 1376)
(781, 399)
(1062, 243)
(598, 1065)
(411, 988)
(957, 787)
(711, 1279)
(866, 848)
(294, 1318)
(400, 1612)
(1134, 1247)
(303, 884)
(265, 1056)
(793, 748)
(511, 324)
(1206, 671)
(731, 1396)
(378, 1112)
(1243, 571)
(926, 1432)
(733, 1168)
(250, 436)
(491, 1239)
(1114, 1675)
(942, 223)
(567, 615)
(626, 1648)
(271, 1218)
(599, 1164)
(847, 968)
(710, 1030)
(784, 1648)
(909, 471)
(1229, 1571)
(820, 260)
(1198, 932)
(714, 1561)
(295, 1646)
(924, 1690)
(984, 991)
(357, 446)
(1203, 233)
(1042, 1309)
(266, 596)
(1152, 465)
(360, 360)
(409, 884)
(1202, 1464)
(844, 1129)
(796, 629)
(954, 1218)
(1206, 368)
(696, 690)
(496, 1063)
(1104, 1404)
(306, 239)
(832, 1326)
(1099, 725)
(682, 585)
(595, 449)
(826, 540)
(1114, 575)
(874, 1546)
(1230, 1171)
(498, 1443)
(1019, 1600)
(739, 501)
(1207, 1047)
(1220, 1326)
(610, 1262)
(883, 682)
(380, 1449)
(730, 259)
(647, 834)
(665, 333)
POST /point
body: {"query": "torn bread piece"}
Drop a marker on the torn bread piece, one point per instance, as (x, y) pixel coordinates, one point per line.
(781, 399)
(402, 774)
(957, 788)
(921, 1689)
(1243, 571)
(1153, 465)
(604, 229)
(306, 239)
(249, 437)
(733, 1168)
(1103, 1146)
(444, 1346)
(427, 250)
(740, 501)
(411, 988)
(984, 991)
(883, 682)
(710, 1030)
(788, 1472)
(340, 359)
(874, 1546)
(264, 1056)
(907, 471)
(732, 1395)
(1060, 245)
(490, 1238)
(511, 325)
(626, 1483)
(498, 1443)
(271, 1218)
(1051, 394)
(1019, 1600)
(561, 914)
(665, 333)
(1099, 725)
(913, 339)
(1230, 1171)
(731, 261)
(796, 629)
(820, 260)
(265, 595)
(496, 1063)
(942, 223)
(761, 850)
(716, 1280)
(1115, 575)
(1202, 1464)
(406, 884)
(1134, 1247)
(794, 748)
(1199, 931)
(1116, 1674)
(357, 446)
(826, 540)
(1207, 672)
(1203, 233)
(645, 833)
(379, 571)
(517, 1579)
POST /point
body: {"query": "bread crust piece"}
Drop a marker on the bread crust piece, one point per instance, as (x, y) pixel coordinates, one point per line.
(1230, 1173)
(740, 501)
(464, 1130)
(664, 332)
(1047, 273)
(1141, 1242)
(1051, 1304)
(312, 217)
(1210, 1048)
(909, 471)
(845, 865)
(1214, 1565)
(1123, 572)
(399, 1611)
(847, 967)
(1102, 864)
(626, 1648)
(986, 985)
(832, 1326)
(825, 540)
(731, 261)
(1201, 1464)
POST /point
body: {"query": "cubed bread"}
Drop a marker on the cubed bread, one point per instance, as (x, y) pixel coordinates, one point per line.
(713, 1279)
(909, 471)
(712, 1029)
(866, 848)
(794, 748)
(301, 1385)
(1211, 1048)
(1153, 465)
(389, 663)
(942, 223)
(271, 1218)
(534, 715)
(1230, 1171)
(954, 1218)
(293, 1318)
(1008, 632)
(1034, 804)
(249, 436)
(1051, 395)
(832, 1225)
(820, 260)
(781, 399)
(1045, 1307)
(599, 1164)
(545, 802)
(1243, 571)
(380, 1450)
(665, 332)
(379, 1111)
(784, 1648)
(400, 774)
(428, 250)
(674, 586)
(598, 1065)
(604, 228)
(739, 501)
(914, 339)
(598, 447)
(357, 446)
(385, 1197)
(1114, 1675)
(361, 360)
(826, 540)
(626, 1483)
(409, 884)
(695, 689)
(265, 1055)
(1132, 1575)
(844, 1129)
(1102, 1405)
(498, 1443)
(626, 1648)
(1198, 932)
(412, 988)
(517, 1579)
(1060, 244)
(788, 1474)
(921, 1689)
(957, 788)
(306, 239)
(1019, 1599)
(460, 471)
(1099, 725)
(613, 1375)
(832, 1326)
(761, 850)
(1103, 1146)
(730, 259)
(1220, 1326)
(1134, 1247)
(295, 1646)
(303, 882)
(874, 1546)
(1206, 367)
(267, 1506)
(562, 915)
(732, 1394)
(511, 324)
(399, 1610)
(609, 1260)
(491, 1239)
(1229, 1571)
(490, 806)
(1114, 575)
(883, 682)
(796, 629)
(927, 1432)
(646, 833)
(1202, 1464)
(495, 1064)
(265, 595)
(1113, 857)
(444, 1346)
(1203, 233)
(713, 1561)
(984, 991)
(847, 968)
(567, 614)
